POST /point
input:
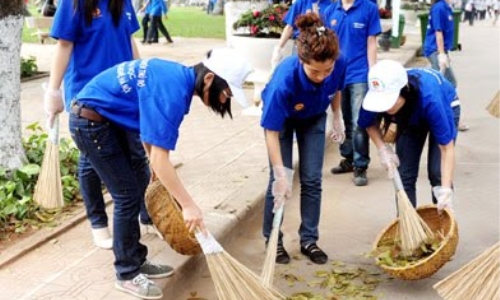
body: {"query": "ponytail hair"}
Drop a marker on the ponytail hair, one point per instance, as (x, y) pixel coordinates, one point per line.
(315, 41)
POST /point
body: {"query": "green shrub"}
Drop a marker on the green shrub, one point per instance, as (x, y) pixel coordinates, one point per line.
(28, 66)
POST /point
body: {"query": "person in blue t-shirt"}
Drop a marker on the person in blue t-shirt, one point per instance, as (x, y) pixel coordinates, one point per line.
(439, 41)
(157, 9)
(298, 8)
(92, 37)
(424, 105)
(149, 97)
(357, 24)
(295, 101)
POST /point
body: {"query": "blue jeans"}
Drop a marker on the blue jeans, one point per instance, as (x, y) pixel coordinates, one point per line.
(91, 189)
(356, 147)
(310, 135)
(409, 147)
(448, 73)
(106, 147)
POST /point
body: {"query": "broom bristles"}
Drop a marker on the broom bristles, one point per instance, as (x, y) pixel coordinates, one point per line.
(48, 190)
(478, 279)
(413, 230)
(493, 108)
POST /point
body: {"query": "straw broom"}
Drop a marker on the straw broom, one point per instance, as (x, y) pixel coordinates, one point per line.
(413, 230)
(267, 274)
(476, 280)
(232, 280)
(48, 190)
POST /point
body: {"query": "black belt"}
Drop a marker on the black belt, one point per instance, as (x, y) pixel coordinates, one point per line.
(87, 113)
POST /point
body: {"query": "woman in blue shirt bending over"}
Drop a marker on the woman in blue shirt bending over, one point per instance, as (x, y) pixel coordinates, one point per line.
(295, 100)
(423, 104)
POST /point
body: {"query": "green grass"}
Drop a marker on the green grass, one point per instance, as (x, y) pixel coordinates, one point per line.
(190, 22)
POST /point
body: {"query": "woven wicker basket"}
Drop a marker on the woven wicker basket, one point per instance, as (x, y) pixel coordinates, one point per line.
(167, 217)
(431, 264)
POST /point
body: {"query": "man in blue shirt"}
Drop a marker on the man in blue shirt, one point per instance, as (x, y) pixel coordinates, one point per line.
(357, 24)
(149, 97)
(424, 105)
(439, 41)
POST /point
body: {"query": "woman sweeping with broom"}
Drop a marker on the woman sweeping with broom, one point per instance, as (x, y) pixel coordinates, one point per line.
(423, 104)
(295, 100)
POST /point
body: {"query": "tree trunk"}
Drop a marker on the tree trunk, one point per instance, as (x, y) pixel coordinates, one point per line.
(11, 27)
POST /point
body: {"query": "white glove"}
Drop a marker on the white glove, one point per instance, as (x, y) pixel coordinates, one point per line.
(277, 56)
(338, 130)
(444, 198)
(53, 105)
(388, 159)
(282, 186)
(443, 62)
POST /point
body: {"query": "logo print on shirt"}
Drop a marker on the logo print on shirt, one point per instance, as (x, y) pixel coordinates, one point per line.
(129, 16)
(96, 13)
(298, 106)
(333, 22)
(358, 25)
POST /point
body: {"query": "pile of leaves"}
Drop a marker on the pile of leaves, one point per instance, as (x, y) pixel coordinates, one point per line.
(389, 253)
(262, 23)
(18, 211)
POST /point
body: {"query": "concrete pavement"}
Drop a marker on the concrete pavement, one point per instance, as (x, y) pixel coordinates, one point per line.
(225, 170)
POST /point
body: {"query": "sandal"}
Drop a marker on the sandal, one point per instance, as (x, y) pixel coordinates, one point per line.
(315, 254)
(282, 256)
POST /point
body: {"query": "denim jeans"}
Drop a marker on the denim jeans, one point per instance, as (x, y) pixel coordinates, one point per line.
(448, 73)
(310, 134)
(409, 147)
(106, 147)
(91, 189)
(356, 147)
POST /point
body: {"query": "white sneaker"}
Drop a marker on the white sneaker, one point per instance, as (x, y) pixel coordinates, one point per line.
(140, 287)
(102, 238)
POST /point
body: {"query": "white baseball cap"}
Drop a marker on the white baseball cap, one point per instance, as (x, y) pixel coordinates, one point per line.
(228, 64)
(385, 81)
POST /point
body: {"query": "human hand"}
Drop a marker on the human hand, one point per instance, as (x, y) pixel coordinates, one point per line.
(443, 62)
(277, 56)
(388, 159)
(338, 130)
(282, 186)
(53, 105)
(193, 218)
(444, 196)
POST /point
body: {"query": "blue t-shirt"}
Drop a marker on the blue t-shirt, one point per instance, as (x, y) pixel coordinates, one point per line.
(291, 95)
(440, 19)
(433, 108)
(149, 96)
(158, 8)
(300, 7)
(353, 27)
(96, 47)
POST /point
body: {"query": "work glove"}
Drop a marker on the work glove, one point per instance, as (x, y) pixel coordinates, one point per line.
(53, 105)
(338, 131)
(444, 198)
(282, 186)
(443, 62)
(388, 159)
(277, 56)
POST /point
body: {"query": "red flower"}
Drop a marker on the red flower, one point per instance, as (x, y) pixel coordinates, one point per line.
(271, 18)
(256, 13)
(254, 29)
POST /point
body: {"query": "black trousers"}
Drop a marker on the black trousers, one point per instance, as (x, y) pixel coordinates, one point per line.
(157, 24)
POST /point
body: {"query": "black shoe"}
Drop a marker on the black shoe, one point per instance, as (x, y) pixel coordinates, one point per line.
(282, 256)
(345, 166)
(360, 178)
(315, 254)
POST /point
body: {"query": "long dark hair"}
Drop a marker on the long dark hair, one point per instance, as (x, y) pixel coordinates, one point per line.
(315, 41)
(89, 7)
(218, 85)
(411, 95)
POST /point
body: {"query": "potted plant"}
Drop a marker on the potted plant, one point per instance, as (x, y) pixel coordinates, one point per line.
(265, 23)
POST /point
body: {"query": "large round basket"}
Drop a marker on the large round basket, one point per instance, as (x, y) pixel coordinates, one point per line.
(167, 217)
(426, 267)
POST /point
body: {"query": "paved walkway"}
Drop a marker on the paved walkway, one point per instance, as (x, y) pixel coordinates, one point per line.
(224, 167)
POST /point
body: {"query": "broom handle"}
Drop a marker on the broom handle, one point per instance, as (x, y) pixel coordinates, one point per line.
(278, 215)
(54, 131)
(396, 180)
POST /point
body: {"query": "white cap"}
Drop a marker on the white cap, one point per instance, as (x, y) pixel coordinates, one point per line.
(230, 66)
(385, 81)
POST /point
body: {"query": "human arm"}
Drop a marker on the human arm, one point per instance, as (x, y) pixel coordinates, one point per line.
(53, 103)
(166, 173)
(372, 50)
(442, 56)
(278, 49)
(338, 131)
(444, 193)
(135, 50)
